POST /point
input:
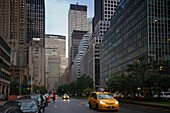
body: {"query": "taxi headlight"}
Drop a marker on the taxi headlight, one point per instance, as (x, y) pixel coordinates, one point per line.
(116, 102)
(101, 102)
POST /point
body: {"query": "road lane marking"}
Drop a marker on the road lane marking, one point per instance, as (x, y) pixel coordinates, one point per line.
(55, 106)
(148, 107)
(79, 104)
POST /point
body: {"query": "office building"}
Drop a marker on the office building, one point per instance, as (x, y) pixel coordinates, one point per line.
(77, 20)
(76, 67)
(65, 77)
(142, 30)
(4, 65)
(36, 20)
(104, 10)
(18, 33)
(57, 43)
(54, 78)
(36, 62)
(76, 38)
(5, 18)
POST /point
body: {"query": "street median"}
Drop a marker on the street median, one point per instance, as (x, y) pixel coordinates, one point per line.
(155, 104)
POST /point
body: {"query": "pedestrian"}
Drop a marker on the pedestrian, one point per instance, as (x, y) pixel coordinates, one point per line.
(54, 97)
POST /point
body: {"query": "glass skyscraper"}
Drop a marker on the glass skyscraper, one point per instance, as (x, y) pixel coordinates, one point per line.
(36, 20)
(139, 27)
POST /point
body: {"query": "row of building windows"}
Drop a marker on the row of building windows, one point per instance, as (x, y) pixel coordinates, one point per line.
(4, 45)
(4, 76)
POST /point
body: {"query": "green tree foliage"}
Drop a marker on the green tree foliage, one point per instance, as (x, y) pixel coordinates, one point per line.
(39, 89)
(83, 84)
(153, 76)
(25, 88)
(14, 88)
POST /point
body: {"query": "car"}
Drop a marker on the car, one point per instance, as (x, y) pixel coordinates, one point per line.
(26, 105)
(11, 110)
(103, 101)
(163, 95)
(118, 95)
(65, 96)
(39, 98)
(2, 97)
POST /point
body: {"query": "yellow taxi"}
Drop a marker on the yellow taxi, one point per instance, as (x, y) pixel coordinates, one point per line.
(65, 96)
(103, 101)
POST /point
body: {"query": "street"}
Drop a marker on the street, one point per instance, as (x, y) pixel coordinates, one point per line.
(81, 106)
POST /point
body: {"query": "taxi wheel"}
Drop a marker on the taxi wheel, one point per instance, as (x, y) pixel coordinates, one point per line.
(90, 106)
(116, 110)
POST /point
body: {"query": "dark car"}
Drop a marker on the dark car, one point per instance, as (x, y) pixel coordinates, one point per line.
(9, 109)
(26, 105)
(39, 98)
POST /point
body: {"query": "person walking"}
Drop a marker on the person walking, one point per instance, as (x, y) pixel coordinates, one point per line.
(53, 97)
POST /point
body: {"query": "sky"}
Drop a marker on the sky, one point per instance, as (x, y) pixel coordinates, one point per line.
(57, 16)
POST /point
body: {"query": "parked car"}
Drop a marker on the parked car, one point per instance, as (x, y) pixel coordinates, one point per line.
(39, 98)
(26, 105)
(163, 95)
(11, 110)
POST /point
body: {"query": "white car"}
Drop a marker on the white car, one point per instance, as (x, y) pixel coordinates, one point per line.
(163, 95)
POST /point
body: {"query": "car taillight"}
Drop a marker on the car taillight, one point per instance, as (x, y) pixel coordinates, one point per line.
(166, 95)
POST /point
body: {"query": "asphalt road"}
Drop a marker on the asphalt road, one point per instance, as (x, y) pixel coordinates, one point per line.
(81, 106)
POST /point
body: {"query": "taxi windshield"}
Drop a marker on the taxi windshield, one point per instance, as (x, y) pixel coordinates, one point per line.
(105, 96)
(65, 95)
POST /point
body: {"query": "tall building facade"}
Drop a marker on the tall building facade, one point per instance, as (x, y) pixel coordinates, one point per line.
(13, 27)
(65, 77)
(97, 12)
(76, 38)
(36, 20)
(54, 78)
(18, 33)
(36, 62)
(77, 20)
(4, 65)
(5, 18)
(76, 67)
(57, 43)
(104, 10)
(143, 30)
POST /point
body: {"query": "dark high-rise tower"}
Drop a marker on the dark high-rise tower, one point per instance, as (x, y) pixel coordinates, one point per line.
(36, 20)
(97, 12)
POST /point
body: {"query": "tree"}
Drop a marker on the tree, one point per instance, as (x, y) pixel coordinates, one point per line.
(77, 87)
(84, 82)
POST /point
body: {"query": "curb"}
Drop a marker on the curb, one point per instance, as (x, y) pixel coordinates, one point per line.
(148, 105)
